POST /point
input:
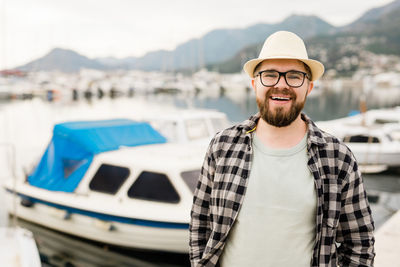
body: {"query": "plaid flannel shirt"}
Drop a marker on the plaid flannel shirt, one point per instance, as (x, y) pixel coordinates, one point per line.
(343, 214)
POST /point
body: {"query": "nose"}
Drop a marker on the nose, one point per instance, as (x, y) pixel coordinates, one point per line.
(281, 82)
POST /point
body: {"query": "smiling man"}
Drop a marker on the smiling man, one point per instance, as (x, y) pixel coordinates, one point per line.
(275, 190)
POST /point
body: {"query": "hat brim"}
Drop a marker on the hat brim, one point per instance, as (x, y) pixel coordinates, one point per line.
(317, 68)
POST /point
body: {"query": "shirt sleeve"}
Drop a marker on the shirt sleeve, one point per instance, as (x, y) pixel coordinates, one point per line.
(200, 214)
(356, 226)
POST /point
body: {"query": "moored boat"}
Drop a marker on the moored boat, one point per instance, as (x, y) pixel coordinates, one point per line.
(17, 245)
(116, 182)
(18, 248)
(373, 137)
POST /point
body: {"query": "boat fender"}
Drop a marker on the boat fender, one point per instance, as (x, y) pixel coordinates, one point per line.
(26, 202)
(104, 225)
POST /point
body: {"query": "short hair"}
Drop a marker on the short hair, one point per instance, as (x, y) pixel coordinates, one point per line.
(256, 68)
(308, 69)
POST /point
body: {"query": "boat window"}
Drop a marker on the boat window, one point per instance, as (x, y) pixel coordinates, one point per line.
(384, 121)
(191, 178)
(196, 129)
(168, 128)
(71, 165)
(154, 187)
(108, 179)
(219, 124)
(361, 139)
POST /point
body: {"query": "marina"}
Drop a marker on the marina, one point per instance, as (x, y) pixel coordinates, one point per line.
(38, 116)
(106, 118)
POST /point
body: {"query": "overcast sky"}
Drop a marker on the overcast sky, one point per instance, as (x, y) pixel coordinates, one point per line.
(120, 28)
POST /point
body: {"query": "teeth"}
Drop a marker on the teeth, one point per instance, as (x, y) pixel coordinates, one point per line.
(280, 98)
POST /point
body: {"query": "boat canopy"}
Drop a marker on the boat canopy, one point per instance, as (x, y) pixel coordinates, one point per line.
(74, 144)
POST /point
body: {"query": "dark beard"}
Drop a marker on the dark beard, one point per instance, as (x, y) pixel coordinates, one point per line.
(278, 117)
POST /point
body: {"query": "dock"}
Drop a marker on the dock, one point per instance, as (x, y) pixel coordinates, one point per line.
(387, 243)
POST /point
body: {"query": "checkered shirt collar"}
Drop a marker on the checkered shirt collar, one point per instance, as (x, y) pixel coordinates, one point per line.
(315, 135)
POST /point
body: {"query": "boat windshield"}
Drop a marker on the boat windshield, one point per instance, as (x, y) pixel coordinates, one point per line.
(361, 139)
(168, 129)
(196, 129)
(191, 178)
(219, 124)
(190, 129)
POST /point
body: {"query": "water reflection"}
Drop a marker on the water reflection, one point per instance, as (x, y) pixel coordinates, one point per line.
(58, 249)
(326, 105)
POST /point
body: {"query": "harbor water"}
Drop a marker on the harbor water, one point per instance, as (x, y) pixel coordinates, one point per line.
(27, 127)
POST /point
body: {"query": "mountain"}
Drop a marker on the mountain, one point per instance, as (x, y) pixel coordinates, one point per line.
(63, 60)
(344, 49)
(222, 44)
(215, 46)
(377, 31)
(113, 62)
(369, 18)
(381, 26)
(226, 50)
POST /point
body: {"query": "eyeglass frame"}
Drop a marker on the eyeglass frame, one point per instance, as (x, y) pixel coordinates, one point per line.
(305, 75)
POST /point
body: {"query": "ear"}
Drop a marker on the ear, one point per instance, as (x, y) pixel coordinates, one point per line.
(253, 84)
(310, 87)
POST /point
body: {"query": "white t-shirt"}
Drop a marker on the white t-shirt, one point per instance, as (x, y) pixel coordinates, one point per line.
(276, 223)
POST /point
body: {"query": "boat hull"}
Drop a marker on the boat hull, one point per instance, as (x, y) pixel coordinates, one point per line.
(378, 156)
(18, 248)
(168, 238)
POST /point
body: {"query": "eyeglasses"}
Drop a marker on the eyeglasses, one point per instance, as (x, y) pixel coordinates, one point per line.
(293, 78)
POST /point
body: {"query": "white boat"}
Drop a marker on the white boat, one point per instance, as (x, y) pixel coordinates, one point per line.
(17, 245)
(191, 125)
(116, 182)
(373, 137)
(18, 248)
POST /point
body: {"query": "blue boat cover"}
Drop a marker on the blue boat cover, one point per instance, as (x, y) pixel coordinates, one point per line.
(74, 144)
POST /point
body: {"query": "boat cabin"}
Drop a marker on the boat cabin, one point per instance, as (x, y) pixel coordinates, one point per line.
(190, 125)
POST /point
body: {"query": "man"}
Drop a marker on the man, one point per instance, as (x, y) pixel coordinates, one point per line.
(275, 190)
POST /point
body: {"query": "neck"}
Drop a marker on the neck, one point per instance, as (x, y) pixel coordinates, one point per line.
(281, 137)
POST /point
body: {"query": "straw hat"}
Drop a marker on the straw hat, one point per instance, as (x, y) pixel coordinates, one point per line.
(284, 45)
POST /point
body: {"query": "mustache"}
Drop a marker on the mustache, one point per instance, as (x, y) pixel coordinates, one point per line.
(285, 91)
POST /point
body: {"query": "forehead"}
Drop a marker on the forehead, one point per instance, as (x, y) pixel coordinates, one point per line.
(282, 64)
